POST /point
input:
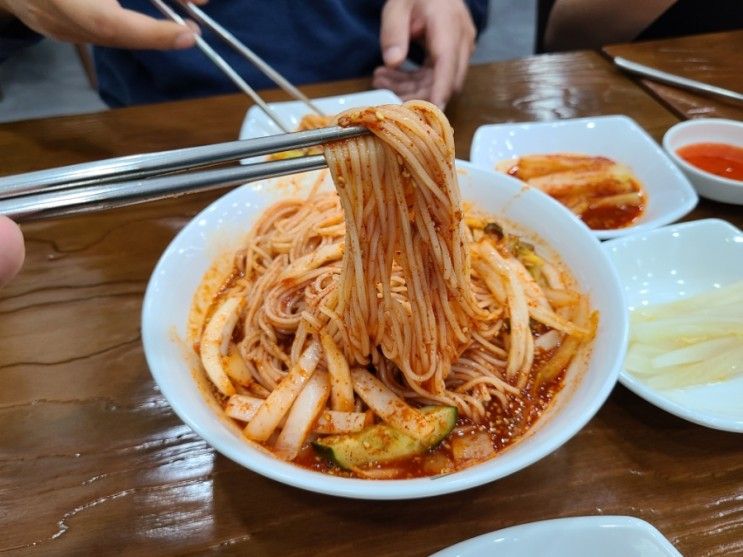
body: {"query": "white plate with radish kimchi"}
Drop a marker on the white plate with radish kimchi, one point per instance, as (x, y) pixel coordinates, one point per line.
(607, 170)
(396, 326)
(684, 289)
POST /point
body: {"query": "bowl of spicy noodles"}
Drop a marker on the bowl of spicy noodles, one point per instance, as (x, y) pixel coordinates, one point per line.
(393, 327)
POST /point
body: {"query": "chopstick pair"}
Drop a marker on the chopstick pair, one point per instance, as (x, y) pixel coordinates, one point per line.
(135, 179)
(197, 14)
(138, 178)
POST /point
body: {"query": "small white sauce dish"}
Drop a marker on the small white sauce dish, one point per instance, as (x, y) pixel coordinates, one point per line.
(669, 194)
(579, 536)
(669, 264)
(712, 130)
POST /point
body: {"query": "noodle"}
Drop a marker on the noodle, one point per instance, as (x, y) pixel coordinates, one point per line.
(386, 295)
(422, 218)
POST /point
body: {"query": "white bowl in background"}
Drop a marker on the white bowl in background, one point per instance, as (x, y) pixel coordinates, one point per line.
(669, 194)
(707, 130)
(577, 536)
(219, 229)
(671, 263)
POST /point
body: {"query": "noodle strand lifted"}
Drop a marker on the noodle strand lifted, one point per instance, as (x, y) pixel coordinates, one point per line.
(399, 190)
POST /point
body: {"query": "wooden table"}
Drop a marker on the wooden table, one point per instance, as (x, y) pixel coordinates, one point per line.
(714, 58)
(93, 461)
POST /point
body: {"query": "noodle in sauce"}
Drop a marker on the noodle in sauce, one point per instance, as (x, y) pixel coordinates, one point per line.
(358, 312)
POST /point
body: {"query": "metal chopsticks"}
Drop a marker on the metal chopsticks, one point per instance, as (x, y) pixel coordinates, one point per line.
(198, 14)
(121, 194)
(138, 178)
(222, 64)
(677, 80)
(152, 164)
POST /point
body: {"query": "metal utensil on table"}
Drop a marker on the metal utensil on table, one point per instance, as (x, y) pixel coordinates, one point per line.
(59, 191)
(676, 80)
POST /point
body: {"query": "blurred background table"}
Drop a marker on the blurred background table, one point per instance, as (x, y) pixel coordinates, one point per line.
(715, 58)
(93, 461)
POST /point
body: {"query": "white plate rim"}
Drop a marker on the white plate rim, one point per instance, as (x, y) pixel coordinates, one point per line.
(681, 182)
(523, 530)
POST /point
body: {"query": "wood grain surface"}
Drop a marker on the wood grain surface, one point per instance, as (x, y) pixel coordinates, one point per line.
(93, 461)
(713, 58)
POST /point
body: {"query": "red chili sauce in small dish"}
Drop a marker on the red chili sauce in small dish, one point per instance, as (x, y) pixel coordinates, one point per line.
(721, 159)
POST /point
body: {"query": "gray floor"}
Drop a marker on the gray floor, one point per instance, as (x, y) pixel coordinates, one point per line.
(48, 79)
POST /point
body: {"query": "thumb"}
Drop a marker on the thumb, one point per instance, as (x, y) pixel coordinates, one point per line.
(394, 35)
(11, 249)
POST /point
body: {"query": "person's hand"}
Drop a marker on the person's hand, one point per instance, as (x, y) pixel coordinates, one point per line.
(447, 32)
(100, 22)
(12, 250)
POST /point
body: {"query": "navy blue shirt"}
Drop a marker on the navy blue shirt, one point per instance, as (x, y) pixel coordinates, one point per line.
(306, 41)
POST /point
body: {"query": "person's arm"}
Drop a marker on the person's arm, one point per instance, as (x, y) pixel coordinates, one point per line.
(447, 32)
(12, 250)
(100, 22)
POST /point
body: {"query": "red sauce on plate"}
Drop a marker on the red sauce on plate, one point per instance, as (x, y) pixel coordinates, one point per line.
(721, 159)
(610, 218)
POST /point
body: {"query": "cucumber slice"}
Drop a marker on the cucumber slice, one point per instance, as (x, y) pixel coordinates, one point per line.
(382, 443)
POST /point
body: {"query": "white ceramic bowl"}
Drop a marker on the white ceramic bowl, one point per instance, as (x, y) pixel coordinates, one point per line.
(676, 262)
(713, 130)
(670, 196)
(219, 230)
